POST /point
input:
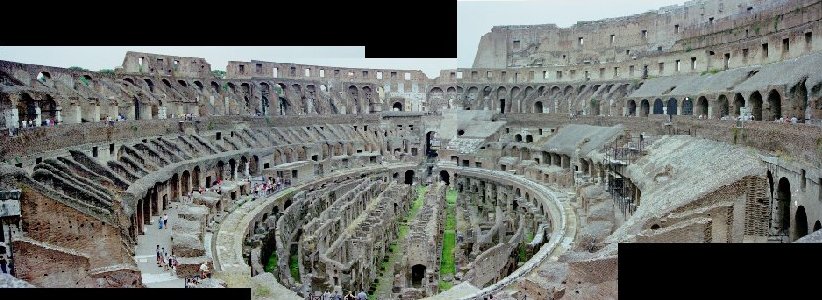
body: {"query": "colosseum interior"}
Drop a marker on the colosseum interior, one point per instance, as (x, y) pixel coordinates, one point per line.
(518, 177)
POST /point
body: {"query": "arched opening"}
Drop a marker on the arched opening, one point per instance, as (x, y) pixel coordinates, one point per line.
(502, 106)
(167, 83)
(739, 102)
(655, 226)
(409, 177)
(672, 106)
(817, 225)
(755, 103)
(397, 106)
(460, 132)
(286, 204)
(801, 219)
(186, 178)
(445, 177)
(538, 107)
(136, 108)
(658, 107)
(775, 105)
(417, 274)
(198, 84)
(518, 138)
(220, 172)
(215, 87)
(782, 214)
(702, 106)
(631, 108)
(529, 139)
(195, 178)
(431, 144)
(724, 109)
(644, 107)
(232, 169)
(182, 83)
(43, 76)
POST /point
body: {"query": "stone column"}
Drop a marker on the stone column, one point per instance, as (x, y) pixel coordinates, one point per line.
(38, 120)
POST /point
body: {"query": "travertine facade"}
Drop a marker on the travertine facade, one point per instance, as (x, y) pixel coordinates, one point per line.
(559, 144)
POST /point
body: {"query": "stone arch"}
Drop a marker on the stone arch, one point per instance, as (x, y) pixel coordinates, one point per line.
(722, 104)
(397, 106)
(631, 108)
(801, 220)
(782, 213)
(645, 108)
(739, 103)
(672, 106)
(195, 178)
(409, 177)
(817, 225)
(501, 100)
(658, 105)
(755, 104)
(354, 93)
(538, 107)
(185, 180)
(702, 106)
(445, 177)
(774, 105)
(417, 275)
(215, 86)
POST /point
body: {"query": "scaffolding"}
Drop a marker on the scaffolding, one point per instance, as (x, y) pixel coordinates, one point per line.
(618, 155)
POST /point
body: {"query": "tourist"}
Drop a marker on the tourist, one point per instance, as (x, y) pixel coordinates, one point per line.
(326, 296)
(337, 295)
(165, 220)
(362, 296)
(159, 256)
(203, 270)
(794, 120)
(350, 296)
(160, 221)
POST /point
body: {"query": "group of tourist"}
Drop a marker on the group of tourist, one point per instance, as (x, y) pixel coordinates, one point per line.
(337, 296)
(267, 188)
(187, 117)
(793, 120)
(166, 261)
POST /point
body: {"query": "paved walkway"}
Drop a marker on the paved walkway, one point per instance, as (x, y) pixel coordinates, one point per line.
(146, 252)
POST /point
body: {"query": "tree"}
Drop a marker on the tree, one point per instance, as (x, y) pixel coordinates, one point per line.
(76, 68)
(218, 73)
(106, 71)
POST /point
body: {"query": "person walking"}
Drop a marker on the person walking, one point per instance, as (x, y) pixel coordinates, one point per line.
(165, 220)
(362, 296)
(159, 255)
(350, 296)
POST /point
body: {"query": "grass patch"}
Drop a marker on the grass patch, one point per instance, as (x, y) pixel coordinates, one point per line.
(393, 248)
(271, 266)
(294, 265)
(449, 239)
(445, 285)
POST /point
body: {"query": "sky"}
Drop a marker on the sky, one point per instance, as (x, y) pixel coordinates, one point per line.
(474, 18)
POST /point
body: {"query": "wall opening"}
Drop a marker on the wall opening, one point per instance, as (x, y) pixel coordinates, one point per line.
(409, 177)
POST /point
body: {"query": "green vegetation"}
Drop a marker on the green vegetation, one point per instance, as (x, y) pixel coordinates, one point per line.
(445, 285)
(106, 71)
(76, 68)
(529, 236)
(711, 71)
(271, 266)
(218, 73)
(262, 291)
(84, 80)
(449, 241)
(594, 102)
(401, 233)
(294, 265)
